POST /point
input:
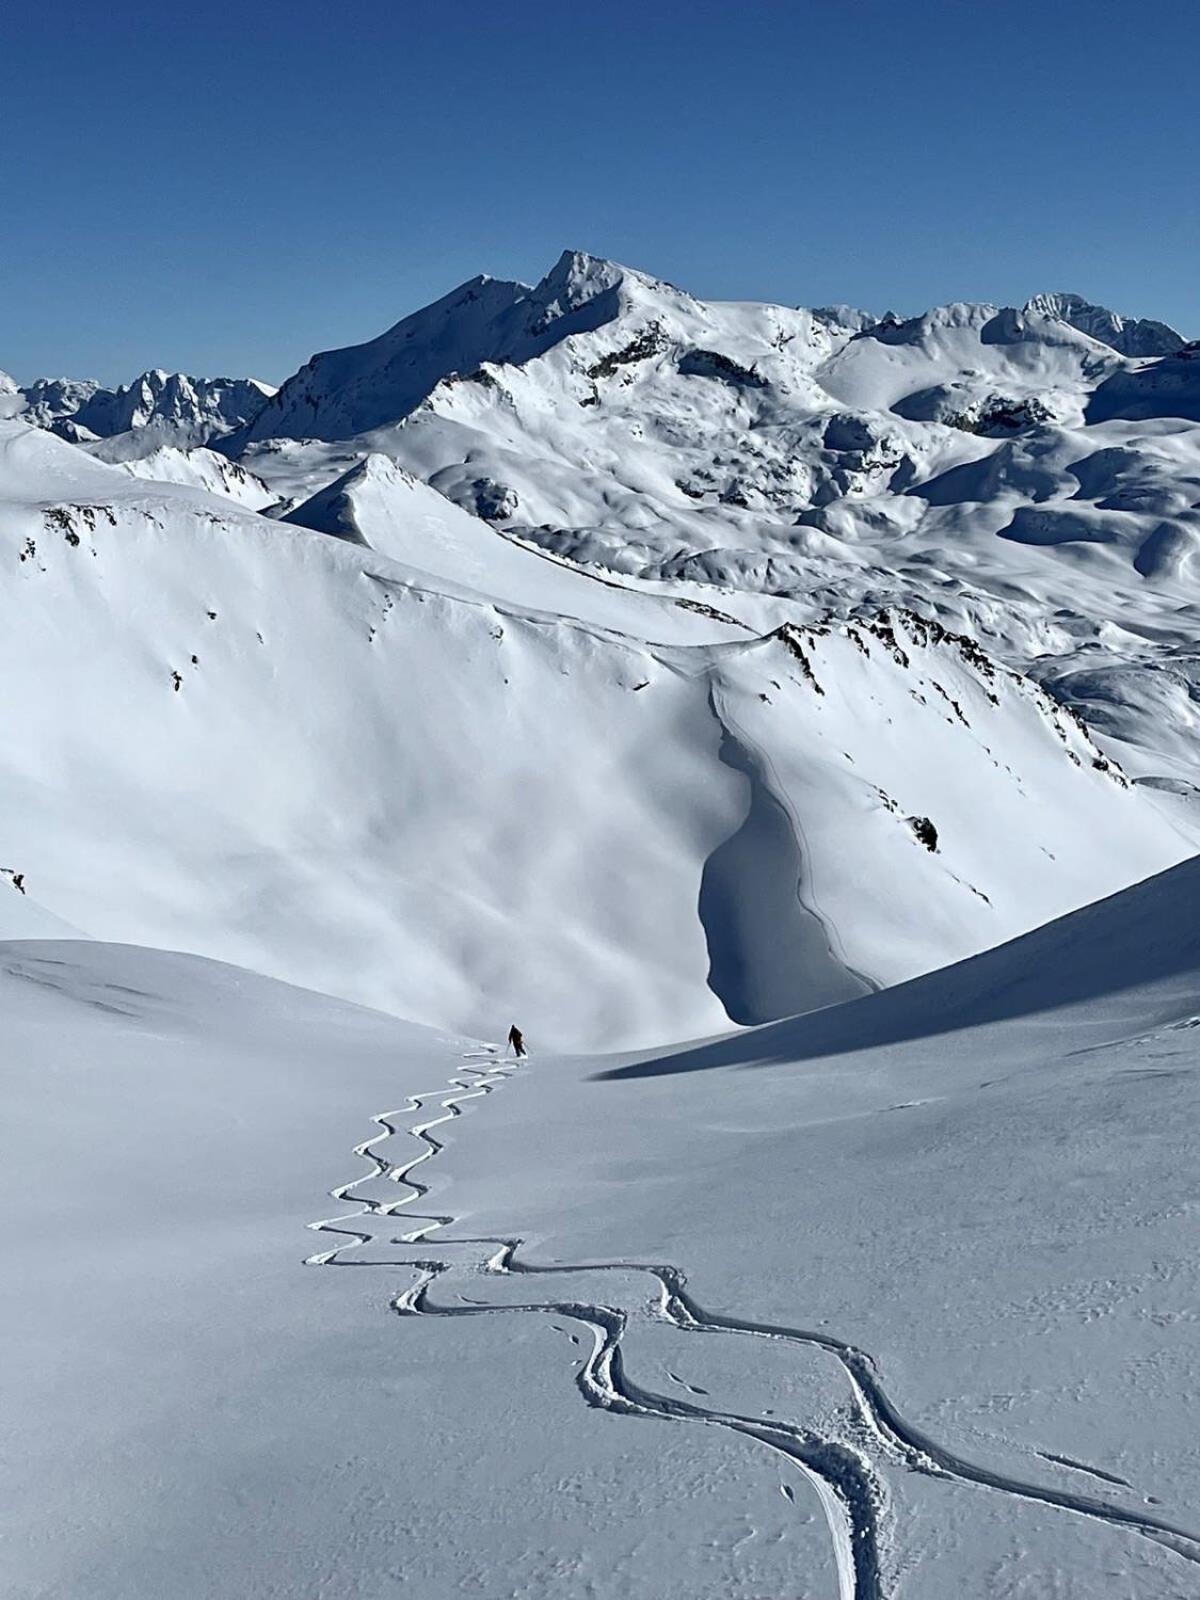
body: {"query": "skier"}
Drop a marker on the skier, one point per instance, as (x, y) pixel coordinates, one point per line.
(516, 1041)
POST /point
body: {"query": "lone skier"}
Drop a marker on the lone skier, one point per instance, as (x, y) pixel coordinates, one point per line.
(516, 1041)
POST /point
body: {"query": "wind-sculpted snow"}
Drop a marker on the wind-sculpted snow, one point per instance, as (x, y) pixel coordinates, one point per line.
(1147, 937)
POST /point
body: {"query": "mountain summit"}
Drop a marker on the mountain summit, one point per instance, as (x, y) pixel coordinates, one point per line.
(486, 321)
(1131, 336)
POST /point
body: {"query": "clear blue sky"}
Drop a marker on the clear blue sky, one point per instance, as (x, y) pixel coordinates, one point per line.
(225, 188)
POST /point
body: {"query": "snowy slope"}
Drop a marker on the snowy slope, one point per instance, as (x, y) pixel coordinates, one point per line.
(965, 1209)
(894, 1301)
(380, 505)
(198, 469)
(1030, 477)
(638, 669)
(620, 815)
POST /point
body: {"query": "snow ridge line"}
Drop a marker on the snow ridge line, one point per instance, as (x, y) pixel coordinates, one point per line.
(843, 1476)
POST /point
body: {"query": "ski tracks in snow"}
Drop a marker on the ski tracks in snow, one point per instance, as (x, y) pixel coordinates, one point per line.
(846, 1468)
(481, 1081)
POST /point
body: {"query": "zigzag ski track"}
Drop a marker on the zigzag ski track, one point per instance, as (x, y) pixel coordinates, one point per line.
(847, 1472)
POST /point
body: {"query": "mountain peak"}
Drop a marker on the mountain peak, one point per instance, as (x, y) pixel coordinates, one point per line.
(1129, 336)
(577, 270)
(575, 280)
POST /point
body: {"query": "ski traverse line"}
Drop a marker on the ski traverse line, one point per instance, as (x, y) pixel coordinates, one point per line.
(848, 1493)
(844, 1477)
(486, 1079)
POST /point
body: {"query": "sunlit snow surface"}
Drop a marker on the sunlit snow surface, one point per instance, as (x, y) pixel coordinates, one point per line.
(895, 1300)
(451, 776)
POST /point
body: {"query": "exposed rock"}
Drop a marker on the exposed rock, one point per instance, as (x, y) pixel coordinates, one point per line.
(494, 502)
(924, 831)
(648, 343)
(996, 416)
(712, 364)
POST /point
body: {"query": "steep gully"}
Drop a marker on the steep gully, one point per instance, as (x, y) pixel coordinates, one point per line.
(847, 1479)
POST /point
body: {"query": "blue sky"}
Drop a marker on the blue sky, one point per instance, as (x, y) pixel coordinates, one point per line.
(226, 187)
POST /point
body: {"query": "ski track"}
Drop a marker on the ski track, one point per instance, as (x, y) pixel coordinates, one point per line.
(847, 1480)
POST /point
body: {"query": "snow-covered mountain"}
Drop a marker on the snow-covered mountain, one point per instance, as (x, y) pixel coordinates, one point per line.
(198, 468)
(183, 410)
(426, 767)
(1029, 477)
(489, 322)
(1132, 336)
(692, 683)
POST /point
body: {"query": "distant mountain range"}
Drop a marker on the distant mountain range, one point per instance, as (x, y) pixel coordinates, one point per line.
(183, 410)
